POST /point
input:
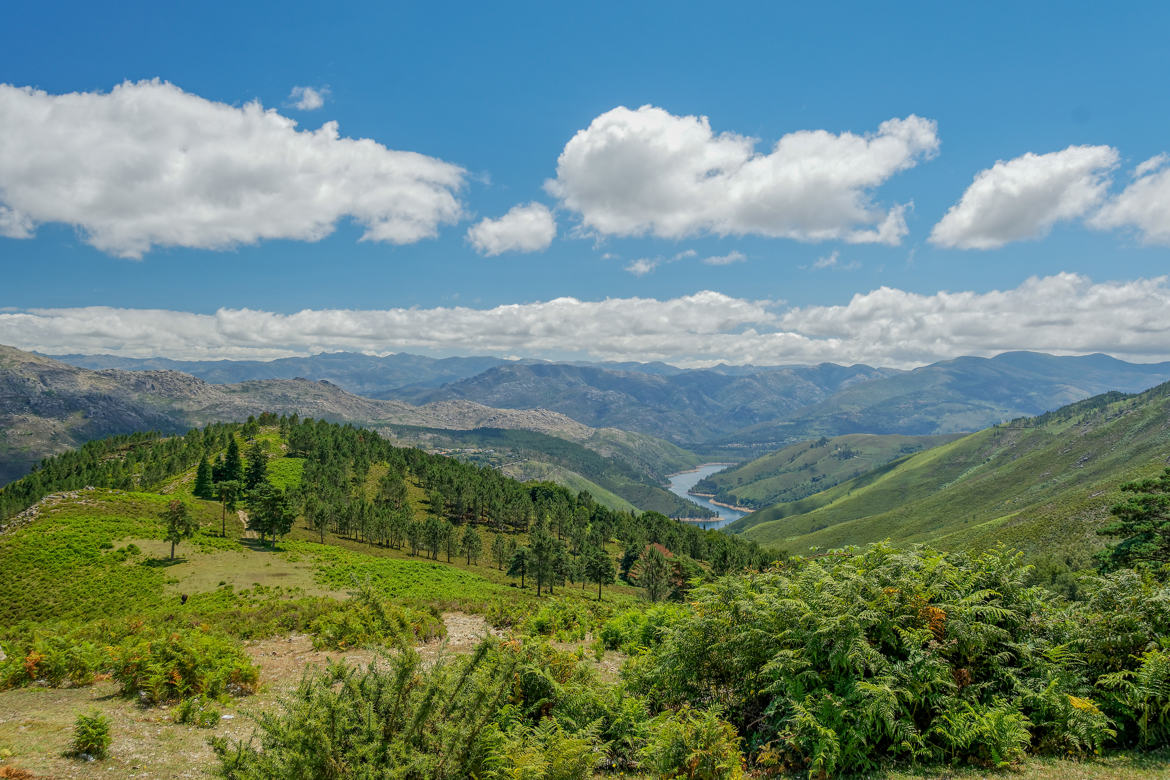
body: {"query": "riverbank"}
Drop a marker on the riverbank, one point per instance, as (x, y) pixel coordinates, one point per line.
(747, 510)
(683, 482)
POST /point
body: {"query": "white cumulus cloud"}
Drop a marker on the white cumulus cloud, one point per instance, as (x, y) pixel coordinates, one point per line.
(649, 172)
(1144, 205)
(148, 164)
(525, 228)
(308, 98)
(1062, 314)
(1024, 197)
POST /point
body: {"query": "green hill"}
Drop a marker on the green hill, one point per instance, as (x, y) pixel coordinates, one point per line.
(621, 479)
(802, 469)
(1040, 484)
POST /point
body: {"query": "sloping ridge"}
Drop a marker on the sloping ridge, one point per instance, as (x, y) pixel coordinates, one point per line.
(1041, 484)
(47, 407)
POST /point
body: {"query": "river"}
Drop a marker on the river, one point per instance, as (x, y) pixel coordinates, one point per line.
(681, 483)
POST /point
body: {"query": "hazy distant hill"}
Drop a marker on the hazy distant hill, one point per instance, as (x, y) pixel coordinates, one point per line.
(961, 395)
(687, 407)
(47, 406)
(809, 467)
(1041, 484)
(393, 376)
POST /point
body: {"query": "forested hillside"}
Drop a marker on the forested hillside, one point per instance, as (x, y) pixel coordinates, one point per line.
(47, 407)
(1040, 484)
(809, 467)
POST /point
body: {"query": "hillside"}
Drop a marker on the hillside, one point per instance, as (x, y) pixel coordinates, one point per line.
(685, 407)
(48, 407)
(802, 469)
(960, 395)
(759, 408)
(621, 476)
(1040, 484)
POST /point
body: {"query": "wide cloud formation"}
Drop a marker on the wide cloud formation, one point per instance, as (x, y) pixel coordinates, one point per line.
(1061, 314)
(526, 228)
(649, 172)
(148, 164)
(1024, 197)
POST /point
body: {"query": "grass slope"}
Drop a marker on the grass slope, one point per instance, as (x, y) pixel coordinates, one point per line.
(1041, 484)
(802, 469)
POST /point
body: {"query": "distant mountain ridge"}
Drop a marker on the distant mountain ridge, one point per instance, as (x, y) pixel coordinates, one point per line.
(47, 406)
(726, 411)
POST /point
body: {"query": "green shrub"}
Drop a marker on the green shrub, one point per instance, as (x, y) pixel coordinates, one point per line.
(635, 629)
(367, 619)
(988, 736)
(198, 711)
(51, 659)
(543, 752)
(1142, 696)
(91, 736)
(399, 720)
(158, 666)
(693, 744)
(849, 662)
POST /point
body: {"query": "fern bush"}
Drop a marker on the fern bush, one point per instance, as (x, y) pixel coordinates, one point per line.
(399, 720)
(846, 663)
(542, 752)
(91, 736)
(198, 711)
(693, 744)
(367, 619)
(158, 666)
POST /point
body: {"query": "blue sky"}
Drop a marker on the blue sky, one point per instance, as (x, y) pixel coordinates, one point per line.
(497, 93)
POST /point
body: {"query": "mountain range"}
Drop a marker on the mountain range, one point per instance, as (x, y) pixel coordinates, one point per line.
(47, 406)
(723, 411)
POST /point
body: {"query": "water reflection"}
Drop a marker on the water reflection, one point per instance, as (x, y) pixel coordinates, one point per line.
(681, 483)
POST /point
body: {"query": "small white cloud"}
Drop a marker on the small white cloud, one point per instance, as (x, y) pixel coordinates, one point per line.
(526, 228)
(1151, 165)
(148, 164)
(308, 98)
(727, 259)
(1143, 206)
(1024, 197)
(649, 172)
(833, 260)
(643, 266)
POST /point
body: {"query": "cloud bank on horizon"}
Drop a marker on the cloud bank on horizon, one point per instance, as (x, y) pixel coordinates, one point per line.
(1061, 314)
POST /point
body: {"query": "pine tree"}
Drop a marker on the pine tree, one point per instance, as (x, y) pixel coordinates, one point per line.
(180, 524)
(471, 545)
(520, 563)
(203, 483)
(257, 470)
(1143, 520)
(270, 513)
(228, 492)
(233, 467)
(654, 574)
(599, 568)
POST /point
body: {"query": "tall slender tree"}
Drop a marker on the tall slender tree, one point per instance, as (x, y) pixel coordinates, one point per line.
(180, 524)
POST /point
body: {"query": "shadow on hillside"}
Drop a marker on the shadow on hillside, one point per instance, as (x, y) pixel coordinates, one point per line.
(162, 563)
(257, 545)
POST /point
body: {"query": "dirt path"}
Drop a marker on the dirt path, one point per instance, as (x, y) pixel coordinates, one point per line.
(248, 533)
